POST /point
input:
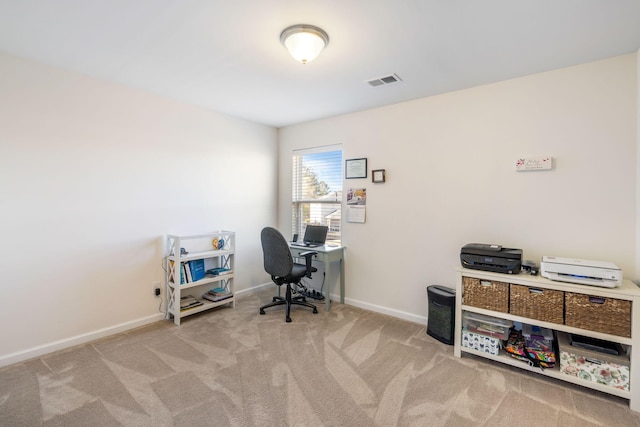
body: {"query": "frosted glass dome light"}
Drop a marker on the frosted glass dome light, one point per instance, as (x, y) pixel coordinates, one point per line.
(304, 42)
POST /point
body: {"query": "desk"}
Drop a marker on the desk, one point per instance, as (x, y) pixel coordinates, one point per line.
(326, 254)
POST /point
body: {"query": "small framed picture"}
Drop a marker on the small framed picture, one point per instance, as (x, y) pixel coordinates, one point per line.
(377, 175)
(355, 168)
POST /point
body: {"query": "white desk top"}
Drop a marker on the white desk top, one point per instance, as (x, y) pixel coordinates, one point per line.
(323, 248)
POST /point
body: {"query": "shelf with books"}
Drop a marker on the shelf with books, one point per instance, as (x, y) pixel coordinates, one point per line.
(195, 265)
(190, 304)
(208, 278)
(206, 305)
(205, 281)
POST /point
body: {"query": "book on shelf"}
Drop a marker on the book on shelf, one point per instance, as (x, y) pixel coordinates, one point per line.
(192, 305)
(197, 269)
(186, 300)
(219, 271)
(217, 294)
(187, 271)
(216, 298)
(183, 274)
(189, 301)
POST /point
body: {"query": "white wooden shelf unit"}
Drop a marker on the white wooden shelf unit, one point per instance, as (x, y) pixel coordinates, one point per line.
(628, 291)
(198, 247)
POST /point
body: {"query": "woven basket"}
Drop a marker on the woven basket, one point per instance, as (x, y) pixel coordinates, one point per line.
(606, 315)
(485, 294)
(535, 303)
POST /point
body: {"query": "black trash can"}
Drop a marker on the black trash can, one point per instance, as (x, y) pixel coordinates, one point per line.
(441, 319)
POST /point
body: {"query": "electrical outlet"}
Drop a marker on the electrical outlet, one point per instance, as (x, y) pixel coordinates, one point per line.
(156, 288)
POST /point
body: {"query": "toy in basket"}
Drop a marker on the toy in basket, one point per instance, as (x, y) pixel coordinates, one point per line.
(539, 357)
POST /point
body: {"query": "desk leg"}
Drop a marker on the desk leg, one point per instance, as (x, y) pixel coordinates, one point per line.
(342, 280)
(329, 279)
(327, 282)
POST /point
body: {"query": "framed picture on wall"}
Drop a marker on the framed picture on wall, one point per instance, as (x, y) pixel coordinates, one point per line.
(378, 175)
(355, 168)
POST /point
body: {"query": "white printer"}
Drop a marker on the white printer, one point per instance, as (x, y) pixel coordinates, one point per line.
(581, 271)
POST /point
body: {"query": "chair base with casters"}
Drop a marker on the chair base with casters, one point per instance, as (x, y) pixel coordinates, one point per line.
(288, 300)
(278, 262)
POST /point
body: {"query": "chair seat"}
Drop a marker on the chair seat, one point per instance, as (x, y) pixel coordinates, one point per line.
(299, 271)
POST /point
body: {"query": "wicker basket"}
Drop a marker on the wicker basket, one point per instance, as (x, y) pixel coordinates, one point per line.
(535, 303)
(606, 315)
(485, 294)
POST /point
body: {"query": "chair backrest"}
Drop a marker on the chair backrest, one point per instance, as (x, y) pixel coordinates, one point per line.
(277, 256)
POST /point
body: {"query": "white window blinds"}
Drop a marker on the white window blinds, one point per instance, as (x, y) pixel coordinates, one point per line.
(317, 190)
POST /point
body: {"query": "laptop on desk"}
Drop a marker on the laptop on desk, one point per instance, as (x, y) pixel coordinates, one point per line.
(314, 236)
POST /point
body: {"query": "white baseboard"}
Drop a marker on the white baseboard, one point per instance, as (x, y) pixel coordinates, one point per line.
(255, 288)
(21, 356)
(384, 310)
(365, 305)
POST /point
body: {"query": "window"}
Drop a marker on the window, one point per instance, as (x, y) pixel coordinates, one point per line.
(317, 190)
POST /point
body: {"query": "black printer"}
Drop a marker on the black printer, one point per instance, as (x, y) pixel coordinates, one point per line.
(481, 256)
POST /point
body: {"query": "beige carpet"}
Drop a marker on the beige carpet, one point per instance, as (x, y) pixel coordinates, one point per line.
(233, 367)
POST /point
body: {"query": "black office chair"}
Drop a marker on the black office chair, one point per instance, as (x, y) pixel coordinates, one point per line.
(278, 262)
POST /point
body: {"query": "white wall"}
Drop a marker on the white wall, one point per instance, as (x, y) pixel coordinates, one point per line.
(451, 179)
(92, 175)
(637, 271)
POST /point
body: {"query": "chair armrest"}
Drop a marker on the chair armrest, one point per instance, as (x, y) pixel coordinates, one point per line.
(307, 256)
(308, 253)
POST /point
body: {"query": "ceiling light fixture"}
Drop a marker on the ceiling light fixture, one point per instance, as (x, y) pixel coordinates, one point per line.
(304, 42)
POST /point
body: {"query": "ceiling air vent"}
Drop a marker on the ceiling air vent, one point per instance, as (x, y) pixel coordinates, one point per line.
(383, 81)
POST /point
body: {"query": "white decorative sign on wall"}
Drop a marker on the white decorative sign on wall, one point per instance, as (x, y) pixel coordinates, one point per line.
(534, 163)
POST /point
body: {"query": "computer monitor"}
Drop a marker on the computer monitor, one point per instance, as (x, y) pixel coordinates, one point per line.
(315, 234)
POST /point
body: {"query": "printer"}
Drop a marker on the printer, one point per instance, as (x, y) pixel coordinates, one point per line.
(581, 271)
(481, 256)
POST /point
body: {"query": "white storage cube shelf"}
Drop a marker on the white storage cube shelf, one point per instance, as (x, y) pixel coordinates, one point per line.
(618, 379)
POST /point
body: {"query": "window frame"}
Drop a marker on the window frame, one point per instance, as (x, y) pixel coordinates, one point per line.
(299, 218)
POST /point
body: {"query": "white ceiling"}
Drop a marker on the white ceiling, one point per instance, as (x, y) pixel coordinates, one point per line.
(226, 54)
